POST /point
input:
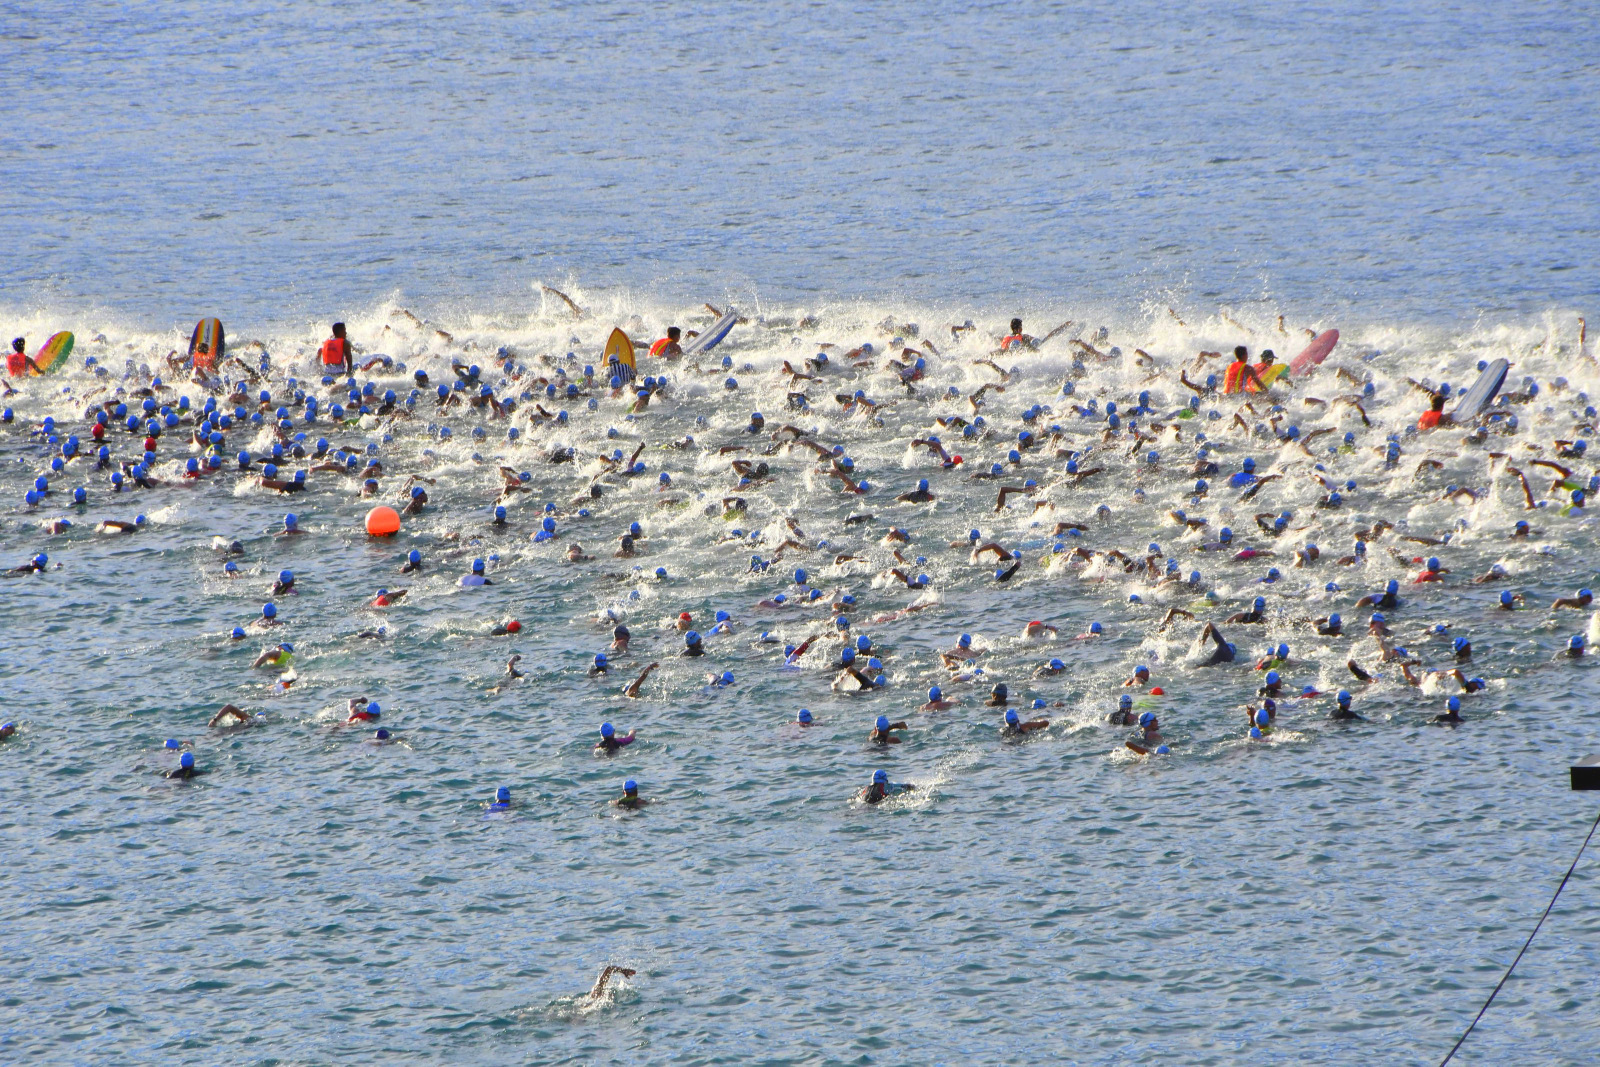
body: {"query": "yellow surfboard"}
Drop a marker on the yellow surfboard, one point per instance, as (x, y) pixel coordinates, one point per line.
(53, 354)
(1268, 376)
(618, 346)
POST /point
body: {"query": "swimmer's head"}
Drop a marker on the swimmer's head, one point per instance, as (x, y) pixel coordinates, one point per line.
(1575, 642)
(1344, 698)
(804, 716)
(172, 744)
(186, 760)
(692, 638)
(1147, 718)
(607, 730)
(1273, 678)
(1260, 602)
(935, 694)
(1454, 703)
(1011, 717)
(965, 641)
(1262, 716)
(414, 556)
(477, 566)
(269, 611)
(630, 787)
(1057, 665)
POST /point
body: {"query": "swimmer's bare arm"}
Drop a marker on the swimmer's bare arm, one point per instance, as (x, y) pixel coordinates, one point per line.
(633, 687)
(605, 975)
(992, 546)
(1173, 613)
(229, 710)
(1527, 492)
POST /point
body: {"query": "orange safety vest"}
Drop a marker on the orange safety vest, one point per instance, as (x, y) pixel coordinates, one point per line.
(1233, 377)
(333, 351)
(205, 360)
(16, 364)
(1260, 369)
(655, 349)
(1429, 419)
(1014, 339)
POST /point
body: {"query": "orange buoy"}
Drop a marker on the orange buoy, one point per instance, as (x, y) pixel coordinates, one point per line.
(1158, 692)
(383, 522)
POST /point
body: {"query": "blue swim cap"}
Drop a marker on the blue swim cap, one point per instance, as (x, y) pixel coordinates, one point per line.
(1226, 534)
(1146, 718)
(599, 659)
(935, 693)
(286, 577)
(630, 786)
(1255, 733)
(883, 722)
(804, 716)
(1273, 678)
(172, 743)
(1125, 701)
(477, 566)
(502, 795)
(1344, 696)
(1334, 619)
(1262, 717)
(1433, 563)
(1094, 627)
(692, 637)
(1454, 703)
(186, 760)
(863, 643)
(1057, 665)
(1576, 641)
(238, 632)
(1162, 750)
(1260, 602)
(880, 776)
(499, 511)
(269, 611)
(607, 730)
(1011, 716)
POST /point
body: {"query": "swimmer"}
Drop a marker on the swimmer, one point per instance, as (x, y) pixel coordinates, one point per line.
(363, 710)
(476, 576)
(1054, 667)
(804, 719)
(509, 628)
(1342, 711)
(1037, 629)
(1330, 626)
(960, 654)
(609, 742)
(280, 655)
(1583, 599)
(232, 711)
(1141, 676)
(627, 972)
(881, 788)
(1576, 647)
(937, 701)
(186, 768)
(692, 645)
(601, 665)
(386, 597)
(630, 799)
(1257, 612)
(1124, 715)
(1014, 727)
(1224, 651)
(882, 734)
(1451, 715)
(413, 563)
(37, 565)
(8, 730)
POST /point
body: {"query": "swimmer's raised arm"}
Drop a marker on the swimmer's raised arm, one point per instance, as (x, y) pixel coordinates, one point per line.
(633, 687)
(605, 975)
(229, 711)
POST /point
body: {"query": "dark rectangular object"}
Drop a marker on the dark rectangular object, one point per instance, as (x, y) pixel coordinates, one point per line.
(1586, 773)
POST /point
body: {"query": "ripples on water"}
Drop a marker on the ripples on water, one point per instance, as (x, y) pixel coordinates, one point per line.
(1337, 896)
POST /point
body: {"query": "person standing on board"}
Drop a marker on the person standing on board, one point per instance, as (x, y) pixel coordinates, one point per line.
(336, 352)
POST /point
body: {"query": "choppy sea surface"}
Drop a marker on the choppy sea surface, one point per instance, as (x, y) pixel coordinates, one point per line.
(1185, 181)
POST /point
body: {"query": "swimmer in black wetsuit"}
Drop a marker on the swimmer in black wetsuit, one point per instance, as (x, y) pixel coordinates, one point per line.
(881, 788)
(1014, 727)
(1342, 712)
(186, 768)
(1223, 653)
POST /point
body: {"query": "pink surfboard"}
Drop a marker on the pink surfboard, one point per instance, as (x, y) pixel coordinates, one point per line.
(1315, 352)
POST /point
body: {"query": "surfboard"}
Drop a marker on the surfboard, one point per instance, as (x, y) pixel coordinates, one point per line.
(1315, 352)
(53, 353)
(209, 332)
(618, 346)
(1474, 400)
(1267, 376)
(712, 337)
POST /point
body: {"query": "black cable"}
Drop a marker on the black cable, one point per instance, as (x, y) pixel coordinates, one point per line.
(1525, 944)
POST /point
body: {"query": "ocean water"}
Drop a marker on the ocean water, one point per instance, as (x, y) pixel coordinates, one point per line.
(1417, 179)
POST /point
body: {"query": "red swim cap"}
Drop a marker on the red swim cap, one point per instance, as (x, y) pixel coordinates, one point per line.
(685, 616)
(1035, 622)
(513, 627)
(1157, 691)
